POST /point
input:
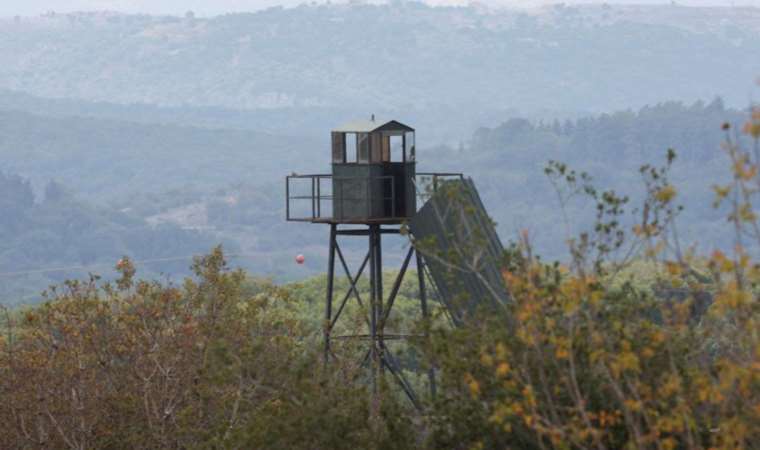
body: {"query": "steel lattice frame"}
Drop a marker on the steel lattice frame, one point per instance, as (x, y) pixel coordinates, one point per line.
(379, 356)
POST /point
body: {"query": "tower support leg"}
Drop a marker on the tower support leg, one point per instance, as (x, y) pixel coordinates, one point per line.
(373, 300)
(380, 323)
(425, 314)
(330, 285)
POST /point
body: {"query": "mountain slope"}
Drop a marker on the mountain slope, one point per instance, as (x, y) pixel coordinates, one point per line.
(405, 57)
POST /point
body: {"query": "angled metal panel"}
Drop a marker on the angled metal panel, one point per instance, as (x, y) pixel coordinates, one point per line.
(461, 248)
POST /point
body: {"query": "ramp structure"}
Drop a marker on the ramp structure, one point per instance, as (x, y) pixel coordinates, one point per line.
(461, 249)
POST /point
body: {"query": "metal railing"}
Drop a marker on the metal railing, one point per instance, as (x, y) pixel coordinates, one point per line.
(321, 196)
(315, 197)
(427, 183)
(319, 209)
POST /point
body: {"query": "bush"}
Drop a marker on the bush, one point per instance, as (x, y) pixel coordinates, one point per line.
(581, 359)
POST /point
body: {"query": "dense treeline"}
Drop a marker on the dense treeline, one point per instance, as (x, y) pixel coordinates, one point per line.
(507, 164)
(588, 354)
(207, 364)
(103, 160)
(56, 230)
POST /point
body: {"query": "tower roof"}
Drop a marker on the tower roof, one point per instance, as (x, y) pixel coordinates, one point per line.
(368, 126)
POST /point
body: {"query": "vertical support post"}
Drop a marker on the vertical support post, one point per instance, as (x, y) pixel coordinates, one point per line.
(425, 313)
(287, 198)
(319, 196)
(373, 310)
(403, 147)
(379, 291)
(330, 284)
(313, 199)
(379, 276)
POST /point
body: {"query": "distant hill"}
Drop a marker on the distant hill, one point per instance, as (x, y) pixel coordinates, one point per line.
(105, 159)
(58, 231)
(168, 183)
(441, 67)
(507, 163)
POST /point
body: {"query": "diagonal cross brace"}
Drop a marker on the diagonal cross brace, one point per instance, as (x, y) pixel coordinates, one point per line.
(390, 362)
(352, 289)
(396, 287)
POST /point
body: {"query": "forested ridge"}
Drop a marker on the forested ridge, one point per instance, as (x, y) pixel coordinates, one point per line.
(319, 59)
(155, 190)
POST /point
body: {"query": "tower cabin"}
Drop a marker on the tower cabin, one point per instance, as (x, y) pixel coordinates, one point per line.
(373, 172)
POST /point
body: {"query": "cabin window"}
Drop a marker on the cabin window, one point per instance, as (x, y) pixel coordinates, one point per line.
(351, 154)
(397, 148)
(338, 148)
(409, 146)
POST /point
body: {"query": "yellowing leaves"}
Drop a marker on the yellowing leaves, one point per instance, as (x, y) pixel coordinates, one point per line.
(632, 404)
(671, 386)
(721, 262)
(502, 369)
(721, 192)
(472, 385)
(665, 194)
(674, 268)
(746, 214)
(732, 298)
(501, 351)
(752, 128)
(744, 170)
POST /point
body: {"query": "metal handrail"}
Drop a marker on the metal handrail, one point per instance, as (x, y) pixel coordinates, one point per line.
(316, 196)
(435, 177)
(441, 174)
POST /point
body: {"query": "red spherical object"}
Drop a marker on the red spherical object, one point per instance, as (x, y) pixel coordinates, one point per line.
(300, 259)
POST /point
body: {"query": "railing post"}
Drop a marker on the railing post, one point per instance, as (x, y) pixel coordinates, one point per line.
(319, 196)
(287, 198)
(313, 209)
(330, 280)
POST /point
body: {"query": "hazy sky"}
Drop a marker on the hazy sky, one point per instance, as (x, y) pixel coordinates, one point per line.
(213, 7)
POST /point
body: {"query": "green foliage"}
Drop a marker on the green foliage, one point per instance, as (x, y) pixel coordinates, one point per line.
(202, 365)
(582, 359)
(60, 231)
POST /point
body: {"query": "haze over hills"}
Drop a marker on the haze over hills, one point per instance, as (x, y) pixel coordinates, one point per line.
(442, 68)
(163, 190)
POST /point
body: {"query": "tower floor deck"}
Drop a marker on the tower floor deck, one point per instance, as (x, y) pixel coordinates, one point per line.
(333, 221)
